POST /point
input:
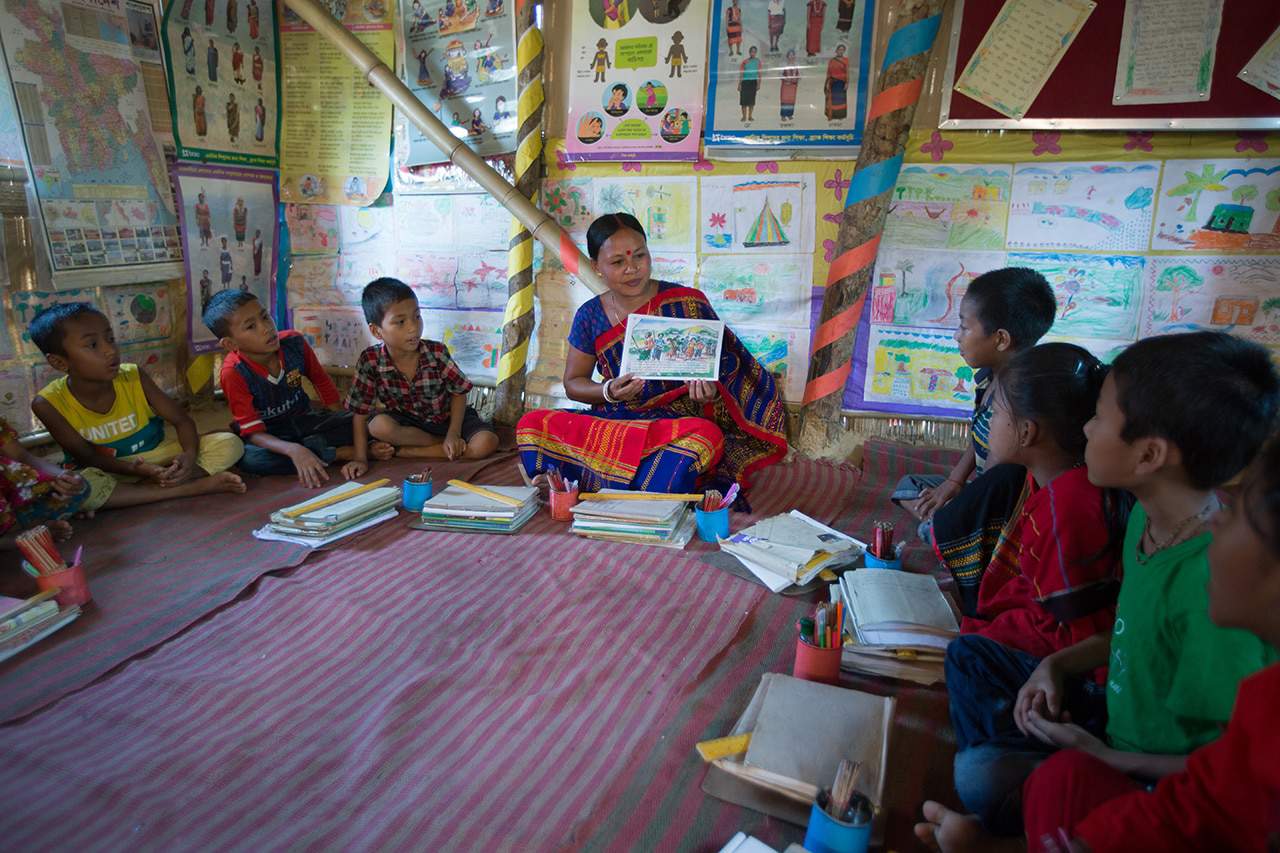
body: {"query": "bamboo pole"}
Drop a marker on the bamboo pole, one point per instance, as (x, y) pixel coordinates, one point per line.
(517, 323)
(866, 205)
(543, 228)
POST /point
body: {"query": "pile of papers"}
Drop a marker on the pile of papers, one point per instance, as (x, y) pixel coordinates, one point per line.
(459, 509)
(665, 523)
(801, 730)
(333, 514)
(900, 624)
(23, 623)
(791, 549)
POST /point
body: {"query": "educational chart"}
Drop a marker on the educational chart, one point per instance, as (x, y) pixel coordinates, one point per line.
(1167, 50)
(1097, 206)
(460, 62)
(952, 207)
(1099, 296)
(1019, 52)
(923, 287)
(144, 44)
(776, 290)
(139, 312)
(915, 367)
(789, 73)
(783, 352)
(1212, 206)
(229, 232)
(336, 133)
(758, 216)
(99, 174)
(1263, 70)
(1233, 294)
(666, 207)
(635, 85)
(12, 154)
(223, 80)
(313, 228)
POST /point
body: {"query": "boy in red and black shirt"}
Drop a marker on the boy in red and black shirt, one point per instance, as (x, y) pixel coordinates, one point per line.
(262, 378)
(408, 391)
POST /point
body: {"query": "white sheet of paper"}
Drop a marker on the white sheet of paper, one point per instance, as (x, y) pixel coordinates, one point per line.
(1263, 70)
(1167, 51)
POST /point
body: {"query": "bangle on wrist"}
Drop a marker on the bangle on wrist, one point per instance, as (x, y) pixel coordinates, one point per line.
(954, 480)
(604, 389)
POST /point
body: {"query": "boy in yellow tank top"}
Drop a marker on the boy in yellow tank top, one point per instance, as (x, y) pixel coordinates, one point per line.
(110, 419)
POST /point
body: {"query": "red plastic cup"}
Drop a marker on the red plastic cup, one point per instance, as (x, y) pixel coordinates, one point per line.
(814, 663)
(72, 586)
(562, 503)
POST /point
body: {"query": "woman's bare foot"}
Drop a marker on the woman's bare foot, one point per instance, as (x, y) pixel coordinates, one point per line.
(381, 450)
(950, 831)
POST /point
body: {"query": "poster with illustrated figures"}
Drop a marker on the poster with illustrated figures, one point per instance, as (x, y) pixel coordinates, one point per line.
(636, 79)
(229, 237)
(460, 60)
(224, 89)
(789, 73)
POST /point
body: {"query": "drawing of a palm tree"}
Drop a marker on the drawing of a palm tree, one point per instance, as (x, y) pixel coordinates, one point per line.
(905, 267)
(1208, 179)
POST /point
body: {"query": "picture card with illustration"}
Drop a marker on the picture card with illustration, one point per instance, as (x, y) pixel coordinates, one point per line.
(672, 348)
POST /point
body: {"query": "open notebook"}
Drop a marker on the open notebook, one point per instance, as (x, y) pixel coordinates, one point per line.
(898, 609)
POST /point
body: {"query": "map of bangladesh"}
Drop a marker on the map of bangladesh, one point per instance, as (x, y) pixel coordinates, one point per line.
(82, 93)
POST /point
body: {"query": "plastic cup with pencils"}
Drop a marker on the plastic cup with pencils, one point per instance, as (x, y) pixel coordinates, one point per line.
(51, 571)
(564, 496)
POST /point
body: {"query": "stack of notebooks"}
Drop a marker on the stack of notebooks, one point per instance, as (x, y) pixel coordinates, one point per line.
(334, 514)
(23, 623)
(791, 549)
(900, 624)
(665, 523)
(479, 509)
(796, 733)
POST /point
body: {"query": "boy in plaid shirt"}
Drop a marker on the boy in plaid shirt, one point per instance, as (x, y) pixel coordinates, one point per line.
(407, 391)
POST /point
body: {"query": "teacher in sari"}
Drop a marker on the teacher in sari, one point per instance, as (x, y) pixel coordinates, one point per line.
(650, 435)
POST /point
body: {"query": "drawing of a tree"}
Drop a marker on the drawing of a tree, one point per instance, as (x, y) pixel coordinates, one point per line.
(1271, 306)
(1208, 179)
(1244, 193)
(1177, 280)
(1273, 203)
(905, 267)
(963, 375)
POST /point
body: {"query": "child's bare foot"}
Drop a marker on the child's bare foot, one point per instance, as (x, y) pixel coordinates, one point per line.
(226, 482)
(381, 450)
(950, 831)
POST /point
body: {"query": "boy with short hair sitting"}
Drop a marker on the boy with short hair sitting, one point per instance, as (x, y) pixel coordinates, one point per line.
(109, 418)
(408, 391)
(262, 378)
(1178, 416)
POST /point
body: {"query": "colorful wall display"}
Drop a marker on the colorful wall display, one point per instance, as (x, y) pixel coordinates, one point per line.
(911, 368)
(1219, 206)
(139, 312)
(462, 67)
(953, 207)
(789, 73)
(12, 153)
(1099, 296)
(784, 352)
(773, 215)
(313, 228)
(923, 287)
(338, 334)
(666, 207)
(229, 236)
(774, 290)
(336, 134)
(1237, 294)
(100, 176)
(636, 84)
(1098, 206)
(222, 61)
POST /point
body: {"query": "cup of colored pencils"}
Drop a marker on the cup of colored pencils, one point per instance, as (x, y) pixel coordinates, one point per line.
(883, 553)
(45, 563)
(416, 490)
(819, 644)
(563, 495)
(840, 820)
(712, 516)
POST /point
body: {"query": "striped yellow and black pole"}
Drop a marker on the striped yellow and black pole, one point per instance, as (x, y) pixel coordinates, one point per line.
(866, 205)
(517, 323)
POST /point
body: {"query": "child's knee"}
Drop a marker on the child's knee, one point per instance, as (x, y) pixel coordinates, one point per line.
(101, 487)
(382, 427)
(219, 451)
(482, 444)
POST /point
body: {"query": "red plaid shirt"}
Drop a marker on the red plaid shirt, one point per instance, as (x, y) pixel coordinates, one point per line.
(379, 385)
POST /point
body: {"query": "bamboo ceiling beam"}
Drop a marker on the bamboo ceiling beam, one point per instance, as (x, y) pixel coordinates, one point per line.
(543, 228)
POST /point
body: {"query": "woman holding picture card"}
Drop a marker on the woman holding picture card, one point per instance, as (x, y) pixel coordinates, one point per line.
(653, 435)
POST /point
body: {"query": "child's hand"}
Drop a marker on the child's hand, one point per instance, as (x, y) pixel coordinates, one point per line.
(60, 529)
(147, 471)
(1065, 735)
(1042, 693)
(454, 447)
(354, 468)
(311, 472)
(178, 471)
(931, 500)
(68, 484)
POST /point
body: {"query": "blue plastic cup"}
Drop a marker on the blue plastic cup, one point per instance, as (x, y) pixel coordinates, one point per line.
(712, 526)
(828, 835)
(414, 494)
(873, 562)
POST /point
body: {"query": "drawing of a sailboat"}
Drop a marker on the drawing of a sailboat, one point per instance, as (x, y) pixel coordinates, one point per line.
(766, 230)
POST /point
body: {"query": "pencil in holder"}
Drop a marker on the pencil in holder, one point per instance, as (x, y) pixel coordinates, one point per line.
(815, 663)
(712, 526)
(826, 834)
(562, 504)
(415, 493)
(871, 561)
(71, 583)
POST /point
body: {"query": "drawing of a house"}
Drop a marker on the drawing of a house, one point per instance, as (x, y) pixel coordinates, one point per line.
(985, 192)
(766, 230)
(1234, 310)
(1232, 218)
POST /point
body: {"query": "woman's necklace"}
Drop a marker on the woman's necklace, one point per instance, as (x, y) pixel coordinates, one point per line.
(1180, 531)
(618, 316)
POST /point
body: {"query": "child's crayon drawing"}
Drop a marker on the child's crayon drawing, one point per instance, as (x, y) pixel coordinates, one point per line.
(1233, 294)
(1216, 206)
(666, 207)
(160, 365)
(474, 339)
(1099, 296)
(356, 269)
(367, 229)
(1098, 206)
(672, 348)
(15, 398)
(313, 280)
(755, 289)
(139, 312)
(482, 280)
(28, 303)
(432, 277)
(917, 367)
(568, 202)
(742, 215)
(784, 352)
(338, 335)
(949, 207)
(313, 228)
(923, 287)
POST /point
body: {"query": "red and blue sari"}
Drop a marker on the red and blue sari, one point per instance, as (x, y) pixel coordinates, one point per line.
(662, 441)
